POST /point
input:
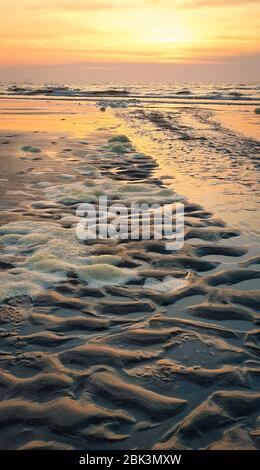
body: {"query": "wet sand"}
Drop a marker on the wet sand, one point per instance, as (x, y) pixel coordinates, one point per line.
(204, 156)
(117, 344)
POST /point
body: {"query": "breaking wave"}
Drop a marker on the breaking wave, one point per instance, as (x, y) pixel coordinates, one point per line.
(234, 93)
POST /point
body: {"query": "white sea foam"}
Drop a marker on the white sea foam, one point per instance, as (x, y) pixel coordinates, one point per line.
(25, 282)
(90, 190)
(54, 252)
(168, 284)
(98, 275)
(64, 176)
(50, 251)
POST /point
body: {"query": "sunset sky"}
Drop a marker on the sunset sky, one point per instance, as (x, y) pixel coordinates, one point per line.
(130, 39)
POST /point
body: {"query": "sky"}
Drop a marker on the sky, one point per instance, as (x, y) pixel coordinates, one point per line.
(125, 40)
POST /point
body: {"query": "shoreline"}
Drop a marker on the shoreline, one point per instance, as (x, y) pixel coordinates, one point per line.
(156, 101)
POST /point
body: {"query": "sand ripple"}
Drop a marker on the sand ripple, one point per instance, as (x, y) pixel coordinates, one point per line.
(120, 343)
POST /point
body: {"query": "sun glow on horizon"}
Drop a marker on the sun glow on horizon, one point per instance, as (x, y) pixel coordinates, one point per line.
(162, 31)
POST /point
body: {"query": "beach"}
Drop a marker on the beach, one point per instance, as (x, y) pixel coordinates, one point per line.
(122, 343)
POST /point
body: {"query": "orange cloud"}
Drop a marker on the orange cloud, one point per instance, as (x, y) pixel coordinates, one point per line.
(64, 31)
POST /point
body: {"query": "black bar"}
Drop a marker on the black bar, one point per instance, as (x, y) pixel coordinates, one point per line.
(110, 459)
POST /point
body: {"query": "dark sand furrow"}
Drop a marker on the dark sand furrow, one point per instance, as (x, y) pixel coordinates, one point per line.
(219, 410)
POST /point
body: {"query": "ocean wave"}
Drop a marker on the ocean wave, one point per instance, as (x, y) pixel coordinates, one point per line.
(62, 91)
(145, 91)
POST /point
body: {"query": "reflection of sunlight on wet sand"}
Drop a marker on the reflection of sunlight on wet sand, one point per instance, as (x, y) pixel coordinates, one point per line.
(244, 120)
(227, 198)
(226, 202)
(72, 118)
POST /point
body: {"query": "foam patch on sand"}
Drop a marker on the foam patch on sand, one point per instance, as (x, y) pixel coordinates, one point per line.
(30, 149)
(90, 191)
(51, 264)
(168, 284)
(64, 176)
(71, 194)
(20, 282)
(28, 234)
(103, 104)
(89, 170)
(98, 275)
(104, 259)
(49, 253)
(119, 138)
(120, 147)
